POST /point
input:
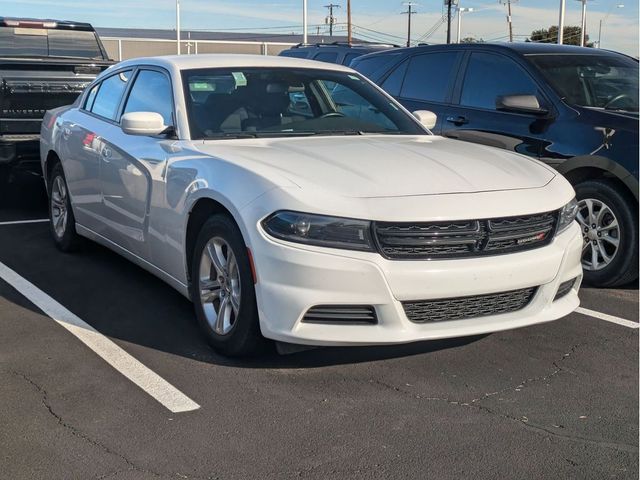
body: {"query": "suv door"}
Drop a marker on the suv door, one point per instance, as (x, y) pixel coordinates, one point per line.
(424, 82)
(131, 163)
(475, 118)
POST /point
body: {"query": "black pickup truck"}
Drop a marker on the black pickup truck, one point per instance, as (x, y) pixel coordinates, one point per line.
(44, 64)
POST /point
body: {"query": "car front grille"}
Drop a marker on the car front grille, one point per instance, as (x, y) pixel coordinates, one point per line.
(461, 308)
(465, 238)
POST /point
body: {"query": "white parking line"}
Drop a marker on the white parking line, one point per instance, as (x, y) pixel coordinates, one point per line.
(146, 379)
(607, 317)
(20, 222)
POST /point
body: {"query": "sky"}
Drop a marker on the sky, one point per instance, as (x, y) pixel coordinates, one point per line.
(373, 19)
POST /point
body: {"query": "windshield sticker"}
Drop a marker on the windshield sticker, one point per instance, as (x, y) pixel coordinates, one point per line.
(241, 80)
(353, 77)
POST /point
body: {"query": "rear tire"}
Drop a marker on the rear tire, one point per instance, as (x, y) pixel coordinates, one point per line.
(61, 220)
(222, 289)
(615, 221)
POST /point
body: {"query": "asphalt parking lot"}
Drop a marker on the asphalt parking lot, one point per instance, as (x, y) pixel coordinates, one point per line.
(558, 400)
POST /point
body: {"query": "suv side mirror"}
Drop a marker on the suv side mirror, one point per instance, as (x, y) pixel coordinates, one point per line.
(142, 123)
(426, 118)
(520, 104)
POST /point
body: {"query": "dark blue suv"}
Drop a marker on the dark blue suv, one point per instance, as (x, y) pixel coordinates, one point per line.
(574, 108)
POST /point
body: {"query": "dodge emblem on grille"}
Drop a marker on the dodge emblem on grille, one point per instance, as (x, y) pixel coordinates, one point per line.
(533, 238)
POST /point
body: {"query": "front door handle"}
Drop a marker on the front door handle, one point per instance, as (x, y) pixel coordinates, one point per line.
(459, 120)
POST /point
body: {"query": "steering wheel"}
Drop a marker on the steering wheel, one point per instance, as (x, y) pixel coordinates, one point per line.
(332, 114)
(616, 99)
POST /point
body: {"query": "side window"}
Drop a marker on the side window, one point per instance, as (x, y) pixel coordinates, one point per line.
(295, 53)
(393, 83)
(91, 97)
(372, 65)
(109, 94)
(489, 76)
(151, 92)
(349, 57)
(329, 57)
(429, 76)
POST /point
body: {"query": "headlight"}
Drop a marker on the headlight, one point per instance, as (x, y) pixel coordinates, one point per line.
(320, 230)
(567, 215)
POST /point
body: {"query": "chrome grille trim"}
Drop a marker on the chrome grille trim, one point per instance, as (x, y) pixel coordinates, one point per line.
(465, 238)
(463, 308)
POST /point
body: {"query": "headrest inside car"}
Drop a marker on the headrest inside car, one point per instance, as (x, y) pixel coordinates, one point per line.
(277, 88)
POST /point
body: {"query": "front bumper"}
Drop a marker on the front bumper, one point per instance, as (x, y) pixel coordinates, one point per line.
(292, 278)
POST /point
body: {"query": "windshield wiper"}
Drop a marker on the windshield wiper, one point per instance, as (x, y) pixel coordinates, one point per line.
(230, 135)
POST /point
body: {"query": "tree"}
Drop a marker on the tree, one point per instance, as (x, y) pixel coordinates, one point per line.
(550, 35)
(472, 40)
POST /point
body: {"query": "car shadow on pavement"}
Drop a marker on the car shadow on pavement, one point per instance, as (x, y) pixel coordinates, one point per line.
(127, 304)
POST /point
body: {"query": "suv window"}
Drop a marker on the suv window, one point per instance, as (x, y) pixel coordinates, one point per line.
(109, 95)
(330, 57)
(393, 83)
(429, 76)
(372, 64)
(489, 76)
(349, 57)
(151, 92)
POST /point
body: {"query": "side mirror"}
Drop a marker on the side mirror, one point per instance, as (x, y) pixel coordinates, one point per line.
(142, 123)
(426, 118)
(520, 104)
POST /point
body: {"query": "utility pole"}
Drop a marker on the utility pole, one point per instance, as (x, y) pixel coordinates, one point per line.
(461, 10)
(331, 20)
(509, 20)
(561, 22)
(449, 4)
(584, 23)
(410, 11)
(304, 23)
(178, 25)
(603, 20)
(349, 38)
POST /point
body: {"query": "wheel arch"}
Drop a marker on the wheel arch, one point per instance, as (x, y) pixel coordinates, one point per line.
(50, 161)
(592, 167)
(201, 210)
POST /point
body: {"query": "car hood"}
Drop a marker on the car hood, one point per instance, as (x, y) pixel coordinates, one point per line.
(374, 166)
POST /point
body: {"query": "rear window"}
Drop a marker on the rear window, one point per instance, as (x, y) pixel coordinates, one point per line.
(373, 66)
(42, 42)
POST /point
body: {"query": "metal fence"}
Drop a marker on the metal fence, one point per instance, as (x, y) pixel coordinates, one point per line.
(124, 48)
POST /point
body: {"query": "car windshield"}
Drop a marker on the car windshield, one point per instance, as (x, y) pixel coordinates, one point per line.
(279, 102)
(599, 81)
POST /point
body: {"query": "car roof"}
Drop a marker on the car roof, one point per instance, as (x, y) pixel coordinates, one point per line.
(224, 60)
(522, 48)
(343, 45)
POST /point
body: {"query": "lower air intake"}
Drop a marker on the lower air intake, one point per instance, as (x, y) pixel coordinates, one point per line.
(564, 289)
(462, 308)
(341, 314)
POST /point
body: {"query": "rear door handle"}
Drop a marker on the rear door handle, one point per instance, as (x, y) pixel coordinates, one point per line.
(459, 120)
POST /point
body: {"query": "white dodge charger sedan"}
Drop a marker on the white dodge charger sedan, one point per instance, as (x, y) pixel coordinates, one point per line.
(296, 201)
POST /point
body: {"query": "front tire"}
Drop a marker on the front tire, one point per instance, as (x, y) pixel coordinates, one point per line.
(61, 220)
(610, 234)
(222, 289)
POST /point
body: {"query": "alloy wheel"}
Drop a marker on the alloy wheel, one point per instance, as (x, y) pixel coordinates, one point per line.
(219, 285)
(600, 233)
(59, 212)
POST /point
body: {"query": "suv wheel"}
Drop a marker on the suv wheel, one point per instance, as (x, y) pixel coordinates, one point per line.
(610, 234)
(222, 289)
(61, 219)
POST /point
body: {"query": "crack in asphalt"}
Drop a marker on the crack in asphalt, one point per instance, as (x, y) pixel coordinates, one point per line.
(75, 432)
(538, 428)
